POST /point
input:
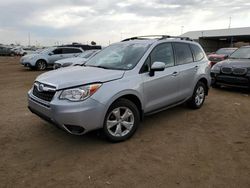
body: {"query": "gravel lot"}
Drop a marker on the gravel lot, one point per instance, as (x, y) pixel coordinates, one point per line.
(179, 147)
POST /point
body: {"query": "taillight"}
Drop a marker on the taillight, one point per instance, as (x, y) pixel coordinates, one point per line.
(210, 64)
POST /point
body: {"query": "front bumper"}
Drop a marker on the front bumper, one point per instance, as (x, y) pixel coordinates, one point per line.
(230, 80)
(27, 63)
(74, 117)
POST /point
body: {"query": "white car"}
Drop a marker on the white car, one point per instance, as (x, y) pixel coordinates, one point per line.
(47, 57)
(82, 58)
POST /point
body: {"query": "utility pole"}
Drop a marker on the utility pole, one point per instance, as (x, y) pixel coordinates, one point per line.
(182, 28)
(29, 38)
(230, 20)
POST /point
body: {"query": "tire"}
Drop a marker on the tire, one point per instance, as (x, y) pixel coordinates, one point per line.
(115, 127)
(198, 96)
(41, 65)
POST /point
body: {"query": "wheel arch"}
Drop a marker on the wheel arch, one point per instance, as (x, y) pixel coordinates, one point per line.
(205, 81)
(42, 59)
(133, 98)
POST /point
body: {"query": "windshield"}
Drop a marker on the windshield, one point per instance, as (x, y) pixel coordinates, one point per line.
(86, 54)
(46, 50)
(225, 51)
(241, 53)
(122, 56)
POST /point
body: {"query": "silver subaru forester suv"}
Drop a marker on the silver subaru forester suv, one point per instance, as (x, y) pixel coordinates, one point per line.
(122, 83)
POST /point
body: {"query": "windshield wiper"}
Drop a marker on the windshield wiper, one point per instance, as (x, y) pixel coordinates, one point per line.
(98, 66)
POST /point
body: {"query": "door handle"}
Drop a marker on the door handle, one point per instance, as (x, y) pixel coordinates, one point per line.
(196, 67)
(175, 73)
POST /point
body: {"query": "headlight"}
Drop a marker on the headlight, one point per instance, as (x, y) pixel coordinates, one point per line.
(215, 68)
(79, 93)
(31, 57)
(66, 64)
(57, 66)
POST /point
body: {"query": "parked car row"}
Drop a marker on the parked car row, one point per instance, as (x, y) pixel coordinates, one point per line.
(46, 58)
(6, 51)
(119, 85)
(18, 51)
(79, 60)
(235, 71)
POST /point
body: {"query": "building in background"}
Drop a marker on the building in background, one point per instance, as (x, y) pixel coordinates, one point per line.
(212, 40)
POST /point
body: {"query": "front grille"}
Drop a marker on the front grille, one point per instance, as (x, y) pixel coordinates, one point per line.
(44, 95)
(226, 70)
(239, 71)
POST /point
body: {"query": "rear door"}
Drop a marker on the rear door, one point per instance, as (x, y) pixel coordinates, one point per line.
(162, 89)
(186, 66)
(55, 55)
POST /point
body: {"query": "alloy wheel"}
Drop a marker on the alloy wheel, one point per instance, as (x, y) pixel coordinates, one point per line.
(120, 121)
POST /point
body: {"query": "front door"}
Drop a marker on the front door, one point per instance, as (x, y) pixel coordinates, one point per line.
(162, 89)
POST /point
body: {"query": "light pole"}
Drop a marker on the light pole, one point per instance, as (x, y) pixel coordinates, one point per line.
(182, 28)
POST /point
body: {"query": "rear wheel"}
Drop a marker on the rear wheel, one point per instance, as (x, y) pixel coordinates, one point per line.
(121, 121)
(198, 97)
(41, 65)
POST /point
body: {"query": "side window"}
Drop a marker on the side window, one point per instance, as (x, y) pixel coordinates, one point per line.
(163, 53)
(198, 53)
(183, 53)
(57, 51)
(77, 51)
(68, 51)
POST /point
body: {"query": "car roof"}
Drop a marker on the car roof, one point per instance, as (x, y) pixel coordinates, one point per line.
(69, 47)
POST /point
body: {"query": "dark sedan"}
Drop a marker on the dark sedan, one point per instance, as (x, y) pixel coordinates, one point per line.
(220, 55)
(235, 71)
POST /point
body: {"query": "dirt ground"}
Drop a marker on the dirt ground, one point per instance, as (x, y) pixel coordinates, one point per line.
(179, 147)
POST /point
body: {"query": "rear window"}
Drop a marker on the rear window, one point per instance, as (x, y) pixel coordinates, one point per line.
(198, 53)
(183, 53)
(71, 50)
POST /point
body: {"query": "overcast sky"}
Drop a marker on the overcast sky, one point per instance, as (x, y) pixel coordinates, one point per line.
(49, 21)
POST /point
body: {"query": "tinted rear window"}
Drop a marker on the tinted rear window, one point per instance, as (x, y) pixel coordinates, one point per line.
(183, 53)
(198, 53)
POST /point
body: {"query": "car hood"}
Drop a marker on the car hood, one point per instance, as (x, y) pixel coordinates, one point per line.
(28, 56)
(216, 56)
(242, 63)
(74, 60)
(31, 55)
(78, 75)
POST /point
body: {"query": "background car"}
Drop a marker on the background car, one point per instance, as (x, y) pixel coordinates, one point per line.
(47, 57)
(220, 55)
(80, 59)
(6, 51)
(235, 71)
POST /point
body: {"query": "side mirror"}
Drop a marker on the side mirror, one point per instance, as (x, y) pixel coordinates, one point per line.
(156, 66)
(50, 53)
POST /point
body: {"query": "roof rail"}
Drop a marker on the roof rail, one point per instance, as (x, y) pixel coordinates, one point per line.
(159, 37)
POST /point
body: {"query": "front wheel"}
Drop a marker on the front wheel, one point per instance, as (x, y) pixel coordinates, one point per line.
(121, 121)
(198, 96)
(41, 65)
